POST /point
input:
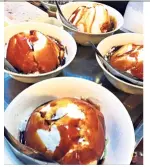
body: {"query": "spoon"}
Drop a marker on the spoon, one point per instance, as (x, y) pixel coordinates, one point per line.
(8, 66)
(114, 71)
(63, 19)
(25, 149)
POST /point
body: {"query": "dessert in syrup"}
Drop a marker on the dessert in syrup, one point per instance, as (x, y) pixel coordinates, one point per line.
(94, 19)
(127, 58)
(67, 130)
(34, 52)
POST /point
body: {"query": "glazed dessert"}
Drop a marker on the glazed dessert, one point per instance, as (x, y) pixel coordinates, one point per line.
(34, 52)
(67, 130)
(94, 19)
(127, 58)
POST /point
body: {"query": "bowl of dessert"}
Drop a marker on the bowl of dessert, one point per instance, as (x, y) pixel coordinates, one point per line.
(69, 126)
(94, 21)
(37, 50)
(125, 53)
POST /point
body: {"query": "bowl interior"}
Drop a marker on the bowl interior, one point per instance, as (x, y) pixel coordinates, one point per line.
(116, 40)
(65, 38)
(70, 7)
(119, 128)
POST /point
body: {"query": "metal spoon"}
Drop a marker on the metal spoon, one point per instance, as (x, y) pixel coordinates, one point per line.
(8, 66)
(114, 71)
(63, 19)
(25, 149)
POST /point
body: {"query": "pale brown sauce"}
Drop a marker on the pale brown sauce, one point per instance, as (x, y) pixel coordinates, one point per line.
(69, 136)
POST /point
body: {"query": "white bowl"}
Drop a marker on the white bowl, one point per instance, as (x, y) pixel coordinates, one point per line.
(119, 127)
(83, 38)
(48, 29)
(115, 40)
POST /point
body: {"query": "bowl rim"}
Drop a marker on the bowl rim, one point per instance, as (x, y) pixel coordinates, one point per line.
(85, 33)
(58, 69)
(106, 71)
(91, 83)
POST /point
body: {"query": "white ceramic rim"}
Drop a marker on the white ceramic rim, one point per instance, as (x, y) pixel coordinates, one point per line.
(106, 71)
(107, 33)
(51, 72)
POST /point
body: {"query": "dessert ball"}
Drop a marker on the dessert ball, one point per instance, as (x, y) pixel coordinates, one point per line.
(94, 19)
(34, 52)
(129, 58)
(67, 130)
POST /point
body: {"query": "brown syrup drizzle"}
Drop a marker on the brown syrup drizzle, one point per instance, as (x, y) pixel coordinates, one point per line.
(29, 63)
(105, 27)
(70, 135)
(136, 68)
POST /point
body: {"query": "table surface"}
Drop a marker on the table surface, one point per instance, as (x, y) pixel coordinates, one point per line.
(85, 66)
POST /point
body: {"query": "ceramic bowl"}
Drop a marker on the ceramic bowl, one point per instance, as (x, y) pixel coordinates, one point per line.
(119, 127)
(48, 29)
(115, 40)
(83, 38)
